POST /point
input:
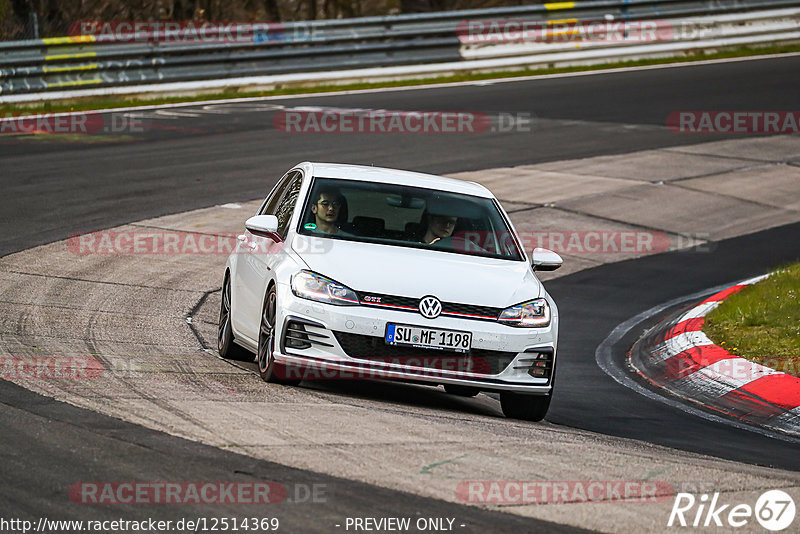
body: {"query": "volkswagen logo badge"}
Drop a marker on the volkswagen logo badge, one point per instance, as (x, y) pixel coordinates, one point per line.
(430, 307)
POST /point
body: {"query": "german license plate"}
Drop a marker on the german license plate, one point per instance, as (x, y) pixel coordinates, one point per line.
(428, 338)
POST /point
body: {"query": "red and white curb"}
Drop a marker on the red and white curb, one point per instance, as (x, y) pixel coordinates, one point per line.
(685, 361)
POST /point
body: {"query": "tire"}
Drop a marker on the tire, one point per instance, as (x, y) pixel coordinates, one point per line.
(225, 344)
(525, 407)
(461, 391)
(270, 370)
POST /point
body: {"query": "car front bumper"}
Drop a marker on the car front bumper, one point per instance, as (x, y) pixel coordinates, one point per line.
(323, 341)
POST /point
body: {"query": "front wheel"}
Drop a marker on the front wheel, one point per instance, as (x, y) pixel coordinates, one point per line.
(525, 407)
(268, 368)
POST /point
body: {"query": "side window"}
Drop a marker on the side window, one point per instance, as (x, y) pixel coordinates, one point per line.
(286, 205)
(269, 206)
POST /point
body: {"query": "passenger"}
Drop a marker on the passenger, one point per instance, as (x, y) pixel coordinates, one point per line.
(327, 210)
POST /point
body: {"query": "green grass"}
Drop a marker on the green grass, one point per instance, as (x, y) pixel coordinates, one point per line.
(97, 103)
(762, 321)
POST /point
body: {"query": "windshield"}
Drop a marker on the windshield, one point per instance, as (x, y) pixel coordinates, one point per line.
(407, 216)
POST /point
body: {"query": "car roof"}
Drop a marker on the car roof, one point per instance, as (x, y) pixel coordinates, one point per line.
(394, 176)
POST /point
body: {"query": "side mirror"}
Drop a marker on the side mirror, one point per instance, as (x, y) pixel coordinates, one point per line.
(265, 225)
(543, 259)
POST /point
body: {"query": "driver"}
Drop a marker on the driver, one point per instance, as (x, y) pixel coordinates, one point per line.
(439, 227)
(327, 209)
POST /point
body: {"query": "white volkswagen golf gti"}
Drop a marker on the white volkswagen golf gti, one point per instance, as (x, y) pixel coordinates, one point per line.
(363, 272)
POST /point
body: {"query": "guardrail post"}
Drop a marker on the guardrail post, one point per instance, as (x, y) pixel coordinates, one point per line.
(33, 24)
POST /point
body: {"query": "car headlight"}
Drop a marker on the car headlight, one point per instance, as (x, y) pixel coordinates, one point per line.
(534, 313)
(313, 286)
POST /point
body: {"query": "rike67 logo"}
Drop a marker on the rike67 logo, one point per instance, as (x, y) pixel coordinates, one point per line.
(774, 510)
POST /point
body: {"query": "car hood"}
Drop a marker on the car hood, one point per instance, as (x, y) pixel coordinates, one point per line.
(410, 272)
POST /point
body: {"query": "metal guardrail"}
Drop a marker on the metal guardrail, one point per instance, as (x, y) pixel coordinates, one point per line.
(91, 61)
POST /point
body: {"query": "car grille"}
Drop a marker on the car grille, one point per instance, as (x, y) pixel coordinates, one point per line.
(411, 304)
(478, 361)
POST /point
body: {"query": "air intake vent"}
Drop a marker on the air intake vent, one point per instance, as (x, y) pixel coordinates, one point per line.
(538, 362)
(300, 334)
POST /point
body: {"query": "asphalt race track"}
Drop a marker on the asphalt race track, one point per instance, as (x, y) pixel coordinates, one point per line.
(41, 435)
(232, 153)
(182, 163)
